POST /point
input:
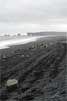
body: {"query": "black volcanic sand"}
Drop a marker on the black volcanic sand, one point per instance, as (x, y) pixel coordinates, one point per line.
(39, 67)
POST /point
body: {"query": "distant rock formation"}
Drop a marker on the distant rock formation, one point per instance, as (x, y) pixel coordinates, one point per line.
(47, 33)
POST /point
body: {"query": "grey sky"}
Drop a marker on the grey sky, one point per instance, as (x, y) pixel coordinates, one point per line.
(32, 15)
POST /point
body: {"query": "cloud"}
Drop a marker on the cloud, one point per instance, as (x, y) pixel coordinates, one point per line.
(35, 7)
(32, 15)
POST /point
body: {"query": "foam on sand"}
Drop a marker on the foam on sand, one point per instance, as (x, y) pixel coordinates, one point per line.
(8, 43)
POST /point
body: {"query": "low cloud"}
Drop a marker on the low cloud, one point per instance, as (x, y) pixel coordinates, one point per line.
(32, 15)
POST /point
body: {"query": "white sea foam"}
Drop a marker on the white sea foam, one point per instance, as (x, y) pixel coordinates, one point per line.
(8, 43)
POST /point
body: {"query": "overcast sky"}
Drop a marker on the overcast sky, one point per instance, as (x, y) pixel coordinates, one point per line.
(21, 16)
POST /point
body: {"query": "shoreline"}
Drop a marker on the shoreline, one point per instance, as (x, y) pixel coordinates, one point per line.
(8, 43)
(21, 41)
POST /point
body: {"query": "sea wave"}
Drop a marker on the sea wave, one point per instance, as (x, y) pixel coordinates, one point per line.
(8, 43)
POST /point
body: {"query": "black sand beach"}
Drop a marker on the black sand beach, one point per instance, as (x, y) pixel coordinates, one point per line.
(39, 67)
